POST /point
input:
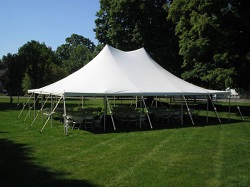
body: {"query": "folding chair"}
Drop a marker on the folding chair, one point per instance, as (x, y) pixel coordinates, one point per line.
(77, 121)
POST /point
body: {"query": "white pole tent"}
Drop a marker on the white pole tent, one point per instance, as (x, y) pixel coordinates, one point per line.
(118, 73)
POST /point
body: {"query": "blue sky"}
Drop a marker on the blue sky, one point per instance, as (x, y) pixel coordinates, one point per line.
(48, 21)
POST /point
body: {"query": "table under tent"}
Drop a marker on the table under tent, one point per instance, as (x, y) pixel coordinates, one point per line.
(118, 74)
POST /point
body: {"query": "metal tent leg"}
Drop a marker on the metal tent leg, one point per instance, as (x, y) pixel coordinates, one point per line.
(39, 112)
(188, 110)
(24, 105)
(147, 113)
(215, 110)
(111, 115)
(51, 114)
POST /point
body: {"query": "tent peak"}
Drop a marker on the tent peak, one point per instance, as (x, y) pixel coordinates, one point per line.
(116, 49)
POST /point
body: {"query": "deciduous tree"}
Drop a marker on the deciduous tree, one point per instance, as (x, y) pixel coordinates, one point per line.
(214, 41)
(129, 25)
(12, 78)
(38, 60)
(76, 53)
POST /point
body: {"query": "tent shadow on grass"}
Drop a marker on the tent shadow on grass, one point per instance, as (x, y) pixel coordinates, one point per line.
(199, 122)
(18, 169)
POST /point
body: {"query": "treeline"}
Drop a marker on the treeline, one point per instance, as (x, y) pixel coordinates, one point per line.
(205, 42)
(36, 65)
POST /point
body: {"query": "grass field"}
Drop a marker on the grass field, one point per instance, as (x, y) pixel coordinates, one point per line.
(213, 154)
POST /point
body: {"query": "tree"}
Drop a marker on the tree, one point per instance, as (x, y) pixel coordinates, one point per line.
(38, 60)
(76, 53)
(78, 40)
(79, 56)
(15, 69)
(214, 41)
(129, 25)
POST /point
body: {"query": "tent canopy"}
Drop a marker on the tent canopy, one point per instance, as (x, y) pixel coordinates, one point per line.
(115, 72)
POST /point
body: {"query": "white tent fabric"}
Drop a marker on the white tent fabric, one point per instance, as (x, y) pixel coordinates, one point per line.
(115, 72)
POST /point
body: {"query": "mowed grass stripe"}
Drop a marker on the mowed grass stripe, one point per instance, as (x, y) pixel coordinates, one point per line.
(218, 159)
(133, 174)
(120, 178)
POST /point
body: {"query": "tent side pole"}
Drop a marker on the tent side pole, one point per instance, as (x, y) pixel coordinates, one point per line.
(41, 109)
(188, 109)
(42, 106)
(229, 108)
(30, 107)
(207, 107)
(35, 104)
(51, 114)
(24, 105)
(147, 113)
(111, 115)
(51, 108)
(182, 109)
(140, 110)
(136, 101)
(29, 110)
(239, 110)
(105, 112)
(65, 117)
(215, 110)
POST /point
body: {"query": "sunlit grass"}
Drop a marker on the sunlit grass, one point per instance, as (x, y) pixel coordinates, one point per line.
(211, 154)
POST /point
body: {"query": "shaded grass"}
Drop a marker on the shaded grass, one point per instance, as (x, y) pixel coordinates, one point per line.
(206, 155)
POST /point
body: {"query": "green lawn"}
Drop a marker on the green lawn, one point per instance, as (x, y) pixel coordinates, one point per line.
(202, 155)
